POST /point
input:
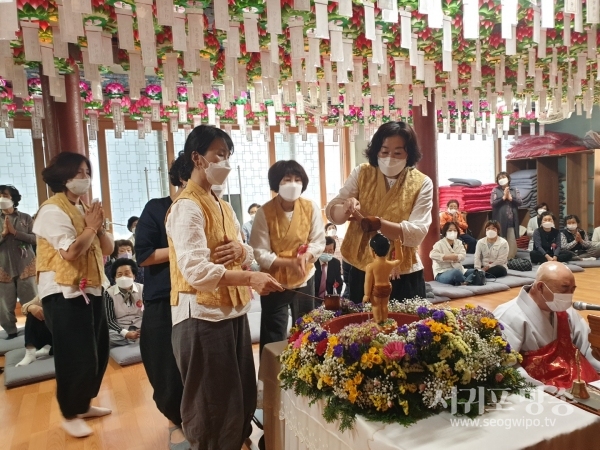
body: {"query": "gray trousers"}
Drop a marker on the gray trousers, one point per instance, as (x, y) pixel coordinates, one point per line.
(116, 340)
(25, 290)
(219, 382)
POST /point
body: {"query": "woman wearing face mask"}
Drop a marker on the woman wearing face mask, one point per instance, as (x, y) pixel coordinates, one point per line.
(210, 299)
(247, 227)
(505, 201)
(17, 259)
(288, 237)
(535, 222)
(575, 243)
(491, 253)
(396, 198)
(71, 240)
(453, 214)
(328, 271)
(547, 242)
(447, 256)
(124, 248)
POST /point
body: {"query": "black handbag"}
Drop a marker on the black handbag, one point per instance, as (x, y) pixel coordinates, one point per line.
(520, 264)
(476, 278)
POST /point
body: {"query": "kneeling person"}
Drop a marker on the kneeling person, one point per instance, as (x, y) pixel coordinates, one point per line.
(124, 304)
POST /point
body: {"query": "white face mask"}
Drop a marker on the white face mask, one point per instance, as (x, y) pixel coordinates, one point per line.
(503, 181)
(218, 190)
(331, 232)
(79, 186)
(126, 255)
(548, 225)
(124, 282)
(217, 173)
(452, 211)
(391, 167)
(290, 191)
(451, 235)
(572, 227)
(252, 216)
(491, 234)
(541, 211)
(6, 203)
(560, 302)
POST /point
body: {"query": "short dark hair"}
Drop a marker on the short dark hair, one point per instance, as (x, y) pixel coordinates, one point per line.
(130, 221)
(548, 213)
(199, 141)
(123, 262)
(402, 129)
(453, 201)
(503, 174)
(329, 225)
(572, 216)
(253, 205)
(448, 225)
(178, 171)
(282, 169)
(62, 168)
(13, 192)
(380, 244)
(329, 240)
(121, 243)
(493, 223)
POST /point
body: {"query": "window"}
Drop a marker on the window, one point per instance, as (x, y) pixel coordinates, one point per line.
(465, 158)
(333, 162)
(18, 168)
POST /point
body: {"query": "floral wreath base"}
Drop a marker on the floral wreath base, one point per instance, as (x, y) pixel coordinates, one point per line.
(400, 375)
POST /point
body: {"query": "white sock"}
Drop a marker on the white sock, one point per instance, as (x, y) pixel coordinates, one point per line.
(29, 357)
(44, 351)
(76, 428)
(95, 411)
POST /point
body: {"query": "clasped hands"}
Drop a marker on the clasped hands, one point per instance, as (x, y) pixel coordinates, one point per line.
(8, 227)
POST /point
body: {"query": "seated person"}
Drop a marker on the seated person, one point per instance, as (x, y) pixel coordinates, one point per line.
(447, 255)
(491, 253)
(38, 339)
(452, 214)
(574, 242)
(535, 222)
(247, 227)
(124, 304)
(596, 236)
(328, 271)
(547, 242)
(123, 249)
(542, 326)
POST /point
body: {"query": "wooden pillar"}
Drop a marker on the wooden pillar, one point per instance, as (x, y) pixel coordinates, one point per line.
(426, 129)
(70, 114)
(39, 162)
(170, 147)
(50, 122)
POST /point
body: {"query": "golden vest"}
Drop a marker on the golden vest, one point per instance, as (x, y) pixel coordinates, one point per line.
(394, 205)
(217, 225)
(286, 237)
(89, 266)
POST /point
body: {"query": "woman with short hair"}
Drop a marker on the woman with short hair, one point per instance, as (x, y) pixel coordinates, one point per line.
(453, 214)
(505, 202)
(447, 256)
(71, 240)
(547, 242)
(574, 241)
(491, 253)
(288, 236)
(535, 222)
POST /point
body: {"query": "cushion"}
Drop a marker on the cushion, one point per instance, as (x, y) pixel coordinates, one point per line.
(595, 263)
(579, 267)
(465, 181)
(439, 299)
(13, 344)
(529, 274)
(40, 370)
(489, 288)
(125, 355)
(447, 290)
(523, 174)
(512, 281)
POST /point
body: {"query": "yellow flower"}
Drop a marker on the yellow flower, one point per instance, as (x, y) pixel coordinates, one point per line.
(358, 378)
(372, 350)
(469, 306)
(377, 359)
(437, 338)
(307, 320)
(404, 405)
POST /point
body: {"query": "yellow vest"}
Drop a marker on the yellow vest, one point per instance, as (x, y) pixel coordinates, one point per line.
(286, 237)
(217, 225)
(70, 273)
(394, 205)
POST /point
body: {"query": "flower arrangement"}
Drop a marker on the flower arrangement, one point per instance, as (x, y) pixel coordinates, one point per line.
(114, 90)
(153, 92)
(182, 94)
(404, 375)
(34, 86)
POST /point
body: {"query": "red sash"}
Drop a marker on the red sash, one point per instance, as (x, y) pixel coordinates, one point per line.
(554, 364)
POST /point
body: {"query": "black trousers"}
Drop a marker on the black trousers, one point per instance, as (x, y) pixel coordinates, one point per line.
(346, 275)
(274, 315)
(539, 258)
(219, 394)
(408, 286)
(37, 333)
(497, 271)
(80, 341)
(159, 361)
(470, 241)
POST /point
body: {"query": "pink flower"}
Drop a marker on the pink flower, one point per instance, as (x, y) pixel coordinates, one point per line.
(394, 350)
(499, 377)
(298, 342)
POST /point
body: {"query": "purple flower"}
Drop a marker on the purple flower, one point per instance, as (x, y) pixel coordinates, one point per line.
(338, 350)
(424, 335)
(316, 336)
(501, 326)
(403, 329)
(410, 350)
(439, 315)
(338, 313)
(508, 348)
(354, 351)
(422, 311)
(299, 321)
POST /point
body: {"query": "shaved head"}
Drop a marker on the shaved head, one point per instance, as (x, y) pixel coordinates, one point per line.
(553, 276)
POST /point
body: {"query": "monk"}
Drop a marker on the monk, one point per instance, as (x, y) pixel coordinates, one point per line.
(377, 276)
(541, 324)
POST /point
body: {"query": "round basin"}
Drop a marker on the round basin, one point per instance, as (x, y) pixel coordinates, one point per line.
(337, 323)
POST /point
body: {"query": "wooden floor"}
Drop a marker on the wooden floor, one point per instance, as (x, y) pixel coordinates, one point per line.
(30, 418)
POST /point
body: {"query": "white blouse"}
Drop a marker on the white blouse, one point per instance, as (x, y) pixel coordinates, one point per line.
(414, 229)
(185, 227)
(54, 225)
(443, 248)
(490, 256)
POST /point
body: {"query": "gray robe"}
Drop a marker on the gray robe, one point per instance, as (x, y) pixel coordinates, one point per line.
(506, 212)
